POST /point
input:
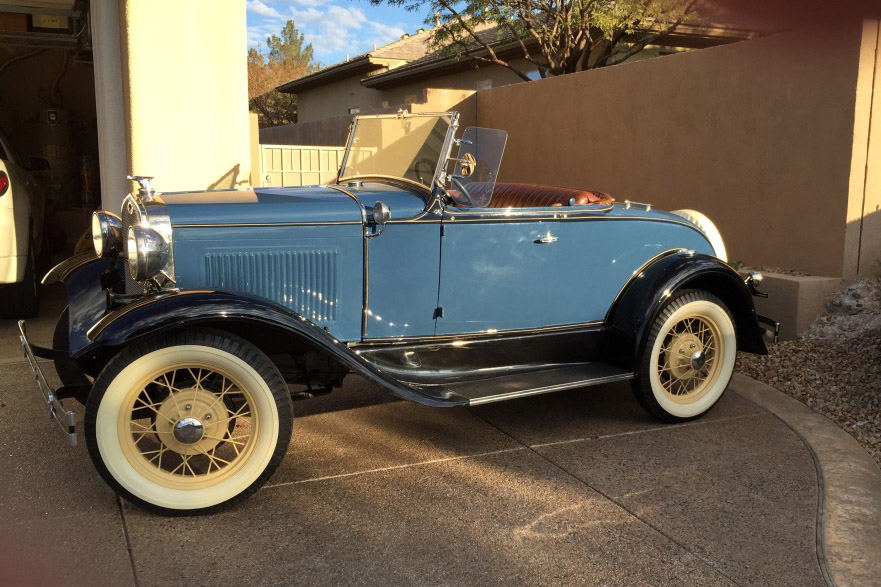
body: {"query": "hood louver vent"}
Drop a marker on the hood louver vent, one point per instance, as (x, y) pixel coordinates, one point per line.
(305, 281)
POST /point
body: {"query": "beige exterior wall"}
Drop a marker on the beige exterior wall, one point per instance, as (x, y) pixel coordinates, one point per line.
(254, 143)
(758, 135)
(185, 94)
(863, 232)
(335, 99)
(469, 79)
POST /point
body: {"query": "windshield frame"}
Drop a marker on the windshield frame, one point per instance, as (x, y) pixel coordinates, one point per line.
(435, 188)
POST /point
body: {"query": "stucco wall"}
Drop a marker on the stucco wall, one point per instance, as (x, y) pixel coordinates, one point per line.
(460, 80)
(185, 94)
(335, 99)
(758, 135)
(863, 232)
(333, 131)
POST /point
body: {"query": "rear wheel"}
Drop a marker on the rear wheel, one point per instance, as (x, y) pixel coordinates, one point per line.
(188, 422)
(688, 358)
(21, 300)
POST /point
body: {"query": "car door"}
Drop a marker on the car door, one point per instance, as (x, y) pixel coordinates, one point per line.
(526, 268)
(506, 272)
(402, 267)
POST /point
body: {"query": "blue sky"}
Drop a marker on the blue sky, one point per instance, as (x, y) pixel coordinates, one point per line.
(334, 27)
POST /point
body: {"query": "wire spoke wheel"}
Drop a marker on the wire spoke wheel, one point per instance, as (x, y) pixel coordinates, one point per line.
(688, 358)
(687, 363)
(188, 425)
(188, 422)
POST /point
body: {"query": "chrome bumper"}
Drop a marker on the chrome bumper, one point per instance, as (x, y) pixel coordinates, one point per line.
(57, 412)
(770, 328)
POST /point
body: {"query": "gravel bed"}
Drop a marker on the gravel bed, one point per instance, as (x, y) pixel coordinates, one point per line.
(769, 269)
(835, 367)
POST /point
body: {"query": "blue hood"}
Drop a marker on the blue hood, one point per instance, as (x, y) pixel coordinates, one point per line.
(261, 206)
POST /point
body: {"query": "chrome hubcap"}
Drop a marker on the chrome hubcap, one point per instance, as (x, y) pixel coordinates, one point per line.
(698, 360)
(188, 431)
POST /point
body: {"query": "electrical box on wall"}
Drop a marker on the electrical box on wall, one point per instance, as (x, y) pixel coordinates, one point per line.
(49, 22)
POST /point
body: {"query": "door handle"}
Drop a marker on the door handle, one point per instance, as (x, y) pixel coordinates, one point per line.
(546, 239)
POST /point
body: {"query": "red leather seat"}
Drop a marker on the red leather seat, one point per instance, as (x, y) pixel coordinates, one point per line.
(527, 195)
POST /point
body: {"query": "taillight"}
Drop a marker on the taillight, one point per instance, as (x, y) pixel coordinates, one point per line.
(4, 183)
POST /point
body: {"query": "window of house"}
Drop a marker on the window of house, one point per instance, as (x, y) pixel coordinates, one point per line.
(533, 75)
(355, 110)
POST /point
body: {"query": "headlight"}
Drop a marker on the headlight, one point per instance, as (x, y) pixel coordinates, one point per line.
(146, 251)
(106, 233)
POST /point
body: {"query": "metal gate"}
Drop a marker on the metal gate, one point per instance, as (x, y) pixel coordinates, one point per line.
(291, 165)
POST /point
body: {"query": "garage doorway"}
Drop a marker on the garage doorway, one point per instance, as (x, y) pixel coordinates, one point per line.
(47, 107)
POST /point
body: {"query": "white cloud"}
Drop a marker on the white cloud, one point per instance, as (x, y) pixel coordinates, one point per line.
(330, 28)
(383, 34)
(310, 3)
(257, 33)
(354, 15)
(334, 30)
(258, 7)
(306, 17)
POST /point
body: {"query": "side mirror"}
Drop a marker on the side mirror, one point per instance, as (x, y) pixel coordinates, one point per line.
(381, 215)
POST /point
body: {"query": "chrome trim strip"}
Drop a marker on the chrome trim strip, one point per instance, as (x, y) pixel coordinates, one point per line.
(562, 212)
(564, 218)
(440, 171)
(628, 204)
(365, 256)
(339, 172)
(449, 339)
(256, 224)
(551, 388)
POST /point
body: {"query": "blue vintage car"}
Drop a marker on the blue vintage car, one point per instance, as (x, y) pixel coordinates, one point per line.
(201, 314)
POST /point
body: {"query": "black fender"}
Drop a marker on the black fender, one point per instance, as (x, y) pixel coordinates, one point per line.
(238, 314)
(642, 299)
(69, 266)
(88, 280)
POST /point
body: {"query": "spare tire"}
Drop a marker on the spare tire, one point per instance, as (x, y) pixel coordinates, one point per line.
(706, 226)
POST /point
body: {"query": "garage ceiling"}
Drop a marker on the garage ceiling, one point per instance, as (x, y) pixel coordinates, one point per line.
(47, 24)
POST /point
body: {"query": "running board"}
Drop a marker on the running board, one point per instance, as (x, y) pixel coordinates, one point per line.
(503, 387)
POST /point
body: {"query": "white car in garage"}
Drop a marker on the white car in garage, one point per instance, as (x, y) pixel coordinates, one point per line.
(21, 234)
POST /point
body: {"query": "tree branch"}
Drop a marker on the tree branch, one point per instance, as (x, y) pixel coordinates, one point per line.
(493, 58)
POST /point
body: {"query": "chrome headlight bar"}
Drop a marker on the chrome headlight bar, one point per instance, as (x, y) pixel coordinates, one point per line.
(106, 233)
(141, 236)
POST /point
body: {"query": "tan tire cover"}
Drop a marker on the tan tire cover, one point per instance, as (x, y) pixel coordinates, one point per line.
(707, 227)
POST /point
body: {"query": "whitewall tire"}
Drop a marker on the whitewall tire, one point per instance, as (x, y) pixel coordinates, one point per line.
(688, 358)
(189, 422)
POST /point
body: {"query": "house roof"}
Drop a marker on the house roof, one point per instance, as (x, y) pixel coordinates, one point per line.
(407, 48)
(437, 62)
(411, 58)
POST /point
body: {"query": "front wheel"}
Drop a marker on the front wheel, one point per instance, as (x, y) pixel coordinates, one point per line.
(688, 358)
(188, 422)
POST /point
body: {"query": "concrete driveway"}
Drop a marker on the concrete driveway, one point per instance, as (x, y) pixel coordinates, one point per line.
(579, 487)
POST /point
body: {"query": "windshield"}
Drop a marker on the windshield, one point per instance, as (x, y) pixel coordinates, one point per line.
(399, 146)
(477, 166)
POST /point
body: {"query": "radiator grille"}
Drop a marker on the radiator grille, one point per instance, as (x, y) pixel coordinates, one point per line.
(303, 281)
(130, 215)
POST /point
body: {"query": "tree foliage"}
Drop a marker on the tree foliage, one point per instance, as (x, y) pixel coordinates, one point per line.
(554, 36)
(286, 58)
